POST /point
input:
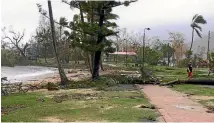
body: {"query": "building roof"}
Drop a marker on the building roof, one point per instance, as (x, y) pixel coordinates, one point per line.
(123, 53)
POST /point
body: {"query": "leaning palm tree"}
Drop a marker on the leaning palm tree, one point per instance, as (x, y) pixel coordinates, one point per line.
(196, 20)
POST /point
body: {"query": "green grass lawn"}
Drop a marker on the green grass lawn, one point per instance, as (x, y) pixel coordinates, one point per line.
(198, 90)
(79, 105)
(194, 89)
(173, 73)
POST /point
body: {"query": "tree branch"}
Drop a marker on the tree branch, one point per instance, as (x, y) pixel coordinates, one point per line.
(20, 38)
(89, 33)
(111, 33)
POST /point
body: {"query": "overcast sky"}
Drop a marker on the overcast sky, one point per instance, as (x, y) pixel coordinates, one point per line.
(160, 15)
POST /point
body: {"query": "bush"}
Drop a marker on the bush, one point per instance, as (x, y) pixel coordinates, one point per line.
(8, 58)
(121, 79)
(52, 86)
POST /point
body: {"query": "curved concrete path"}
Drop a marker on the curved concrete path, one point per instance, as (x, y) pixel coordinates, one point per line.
(175, 106)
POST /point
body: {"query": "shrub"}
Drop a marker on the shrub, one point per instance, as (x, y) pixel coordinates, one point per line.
(8, 58)
(52, 86)
(169, 68)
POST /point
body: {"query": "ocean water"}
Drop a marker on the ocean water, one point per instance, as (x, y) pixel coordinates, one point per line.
(27, 73)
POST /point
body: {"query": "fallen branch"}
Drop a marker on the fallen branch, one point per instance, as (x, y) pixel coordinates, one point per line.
(192, 81)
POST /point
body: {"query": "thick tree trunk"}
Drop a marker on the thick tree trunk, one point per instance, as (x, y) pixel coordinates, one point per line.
(96, 66)
(97, 55)
(64, 79)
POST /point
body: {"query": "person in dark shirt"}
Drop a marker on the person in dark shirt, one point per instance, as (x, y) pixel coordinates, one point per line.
(189, 70)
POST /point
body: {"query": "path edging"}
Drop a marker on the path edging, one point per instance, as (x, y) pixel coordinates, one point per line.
(156, 108)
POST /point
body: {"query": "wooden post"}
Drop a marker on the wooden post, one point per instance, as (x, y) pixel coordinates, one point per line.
(168, 55)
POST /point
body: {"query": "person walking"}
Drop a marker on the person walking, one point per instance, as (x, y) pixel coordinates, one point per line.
(189, 70)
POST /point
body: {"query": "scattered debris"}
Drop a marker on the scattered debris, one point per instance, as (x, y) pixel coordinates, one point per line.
(210, 108)
(189, 95)
(40, 99)
(184, 107)
(60, 98)
(145, 106)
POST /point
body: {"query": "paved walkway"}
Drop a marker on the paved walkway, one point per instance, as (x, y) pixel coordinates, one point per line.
(174, 106)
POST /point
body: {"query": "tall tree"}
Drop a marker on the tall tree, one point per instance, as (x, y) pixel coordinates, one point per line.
(196, 20)
(98, 14)
(64, 79)
(63, 43)
(92, 35)
(43, 38)
(177, 40)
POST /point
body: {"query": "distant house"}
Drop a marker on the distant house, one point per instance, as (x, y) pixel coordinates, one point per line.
(117, 55)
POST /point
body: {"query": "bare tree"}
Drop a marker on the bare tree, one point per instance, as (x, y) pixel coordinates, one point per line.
(15, 39)
(178, 44)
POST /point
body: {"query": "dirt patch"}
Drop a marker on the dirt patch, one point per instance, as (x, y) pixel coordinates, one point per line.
(201, 97)
(69, 91)
(110, 107)
(52, 119)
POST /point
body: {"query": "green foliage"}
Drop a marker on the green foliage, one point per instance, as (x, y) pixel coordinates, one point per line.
(8, 58)
(108, 47)
(188, 54)
(196, 20)
(183, 63)
(195, 89)
(52, 86)
(169, 68)
(165, 50)
(152, 56)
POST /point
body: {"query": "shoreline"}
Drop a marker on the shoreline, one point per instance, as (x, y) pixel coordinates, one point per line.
(73, 76)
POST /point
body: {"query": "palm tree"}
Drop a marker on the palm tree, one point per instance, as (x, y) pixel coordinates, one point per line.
(196, 20)
(63, 22)
(64, 79)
